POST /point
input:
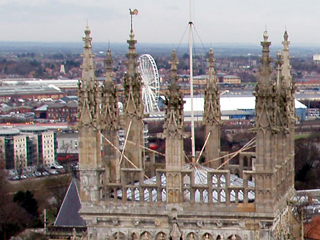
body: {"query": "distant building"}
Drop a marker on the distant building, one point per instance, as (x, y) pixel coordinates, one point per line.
(316, 57)
(29, 93)
(233, 106)
(231, 79)
(65, 112)
(27, 147)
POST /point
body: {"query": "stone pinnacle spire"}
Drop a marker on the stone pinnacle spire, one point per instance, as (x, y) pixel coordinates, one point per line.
(266, 110)
(174, 66)
(279, 63)
(133, 106)
(286, 67)
(212, 71)
(212, 115)
(88, 125)
(109, 95)
(265, 70)
(133, 82)
(132, 55)
(173, 124)
(173, 134)
(108, 62)
(88, 86)
(287, 86)
(288, 106)
(212, 112)
(110, 123)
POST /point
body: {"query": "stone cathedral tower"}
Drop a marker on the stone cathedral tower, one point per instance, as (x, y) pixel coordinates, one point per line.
(184, 200)
(274, 127)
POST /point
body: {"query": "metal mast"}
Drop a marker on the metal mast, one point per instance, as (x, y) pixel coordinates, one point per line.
(191, 85)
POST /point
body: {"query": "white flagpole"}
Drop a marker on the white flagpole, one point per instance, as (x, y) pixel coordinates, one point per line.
(191, 86)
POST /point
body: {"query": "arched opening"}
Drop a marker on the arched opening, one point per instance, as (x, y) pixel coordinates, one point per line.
(234, 237)
(145, 236)
(192, 236)
(118, 236)
(161, 236)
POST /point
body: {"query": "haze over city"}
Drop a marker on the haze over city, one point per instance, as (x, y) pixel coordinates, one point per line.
(165, 21)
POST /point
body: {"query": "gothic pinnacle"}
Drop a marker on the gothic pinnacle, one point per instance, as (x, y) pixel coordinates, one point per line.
(87, 39)
(87, 65)
(211, 65)
(265, 70)
(108, 61)
(279, 63)
(285, 42)
(285, 36)
(132, 55)
(286, 67)
(174, 63)
(265, 36)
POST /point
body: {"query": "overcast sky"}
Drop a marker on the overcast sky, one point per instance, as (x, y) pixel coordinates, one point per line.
(165, 21)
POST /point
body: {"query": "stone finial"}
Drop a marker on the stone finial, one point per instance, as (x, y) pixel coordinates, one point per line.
(174, 66)
(109, 96)
(265, 36)
(108, 61)
(88, 101)
(285, 36)
(279, 63)
(87, 39)
(87, 31)
(212, 113)
(265, 70)
(211, 65)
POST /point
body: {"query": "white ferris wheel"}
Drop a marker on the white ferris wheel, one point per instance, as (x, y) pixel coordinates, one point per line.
(151, 82)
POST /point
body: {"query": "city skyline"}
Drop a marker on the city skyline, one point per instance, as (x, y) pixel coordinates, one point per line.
(165, 21)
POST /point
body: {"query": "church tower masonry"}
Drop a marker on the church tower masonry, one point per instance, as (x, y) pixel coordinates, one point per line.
(173, 133)
(88, 120)
(212, 115)
(109, 124)
(272, 132)
(266, 129)
(288, 97)
(133, 108)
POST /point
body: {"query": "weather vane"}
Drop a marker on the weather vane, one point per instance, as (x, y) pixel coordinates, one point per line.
(133, 12)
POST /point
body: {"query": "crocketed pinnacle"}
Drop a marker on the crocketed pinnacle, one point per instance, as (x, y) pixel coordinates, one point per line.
(109, 95)
(174, 66)
(211, 114)
(132, 55)
(132, 83)
(87, 65)
(108, 61)
(286, 62)
(211, 67)
(173, 124)
(87, 39)
(89, 100)
(279, 63)
(265, 70)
